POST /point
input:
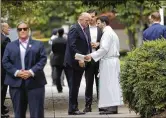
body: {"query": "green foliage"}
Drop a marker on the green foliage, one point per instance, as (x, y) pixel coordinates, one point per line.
(42, 15)
(143, 78)
(107, 3)
(132, 13)
(59, 13)
(28, 11)
(104, 3)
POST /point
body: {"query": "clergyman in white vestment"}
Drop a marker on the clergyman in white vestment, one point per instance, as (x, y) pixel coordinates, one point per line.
(110, 94)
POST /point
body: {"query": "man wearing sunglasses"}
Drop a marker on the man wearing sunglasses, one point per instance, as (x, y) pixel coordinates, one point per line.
(24, 60)
(4, 41)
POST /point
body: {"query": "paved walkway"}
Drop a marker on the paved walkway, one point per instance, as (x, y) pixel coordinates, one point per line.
(56, 104)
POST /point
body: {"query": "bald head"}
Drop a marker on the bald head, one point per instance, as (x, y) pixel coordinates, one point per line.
(5, 28)
(84, 19)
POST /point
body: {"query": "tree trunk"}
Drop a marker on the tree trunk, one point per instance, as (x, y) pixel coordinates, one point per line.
(132, 42)
(140, 32)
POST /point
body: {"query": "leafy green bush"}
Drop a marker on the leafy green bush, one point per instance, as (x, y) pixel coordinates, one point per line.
(143, 78)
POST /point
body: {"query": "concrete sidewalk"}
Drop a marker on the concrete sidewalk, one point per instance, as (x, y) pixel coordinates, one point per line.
(56, 104)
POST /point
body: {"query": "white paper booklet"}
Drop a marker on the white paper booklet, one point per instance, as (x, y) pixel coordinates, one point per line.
(80, 57)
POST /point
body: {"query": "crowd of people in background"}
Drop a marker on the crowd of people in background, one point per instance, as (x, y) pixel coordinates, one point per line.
(23, 61)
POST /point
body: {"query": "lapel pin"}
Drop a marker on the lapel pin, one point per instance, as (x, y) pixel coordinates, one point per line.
(30, 45)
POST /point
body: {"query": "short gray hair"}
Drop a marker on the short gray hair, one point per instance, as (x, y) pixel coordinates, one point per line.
(3, 24)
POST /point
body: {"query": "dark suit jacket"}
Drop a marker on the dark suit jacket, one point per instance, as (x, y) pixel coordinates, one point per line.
(76, 43)
(4, 41)
(35, 59)
(58, 49)
(99, 34)
(154, 32)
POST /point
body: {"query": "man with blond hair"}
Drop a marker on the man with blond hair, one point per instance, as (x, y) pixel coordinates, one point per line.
(24, 60)
(77, 42)
(156, 30)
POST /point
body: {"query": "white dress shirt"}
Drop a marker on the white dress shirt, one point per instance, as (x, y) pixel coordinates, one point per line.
(93, 35)
(23, 46)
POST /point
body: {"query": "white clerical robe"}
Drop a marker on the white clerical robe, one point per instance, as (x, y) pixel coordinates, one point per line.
(110, 93)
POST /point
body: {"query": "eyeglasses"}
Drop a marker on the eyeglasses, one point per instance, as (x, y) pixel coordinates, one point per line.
(20, 29)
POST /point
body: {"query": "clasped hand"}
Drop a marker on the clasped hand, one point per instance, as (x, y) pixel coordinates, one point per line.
(24, 74)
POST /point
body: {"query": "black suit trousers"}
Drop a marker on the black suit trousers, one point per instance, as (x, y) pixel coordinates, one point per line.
(91, 73)
(74, 77)
(58, 72)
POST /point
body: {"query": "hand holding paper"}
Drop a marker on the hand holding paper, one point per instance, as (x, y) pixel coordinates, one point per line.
(81, 57)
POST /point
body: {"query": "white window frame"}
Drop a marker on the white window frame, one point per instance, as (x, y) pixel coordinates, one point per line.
(161, 10)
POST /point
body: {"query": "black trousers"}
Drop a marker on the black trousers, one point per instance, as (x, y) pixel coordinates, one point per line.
(91, 73)
(21, 97)
(58, 72)
(3, 89)
(74, 77)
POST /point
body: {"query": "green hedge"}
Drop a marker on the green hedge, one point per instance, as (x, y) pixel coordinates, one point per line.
(143, 78)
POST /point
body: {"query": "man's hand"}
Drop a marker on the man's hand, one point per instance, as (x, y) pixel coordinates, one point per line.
(24, 74)
(81, 63)
(27, 74)
(95, 45)
(87, 57)
(20, 74)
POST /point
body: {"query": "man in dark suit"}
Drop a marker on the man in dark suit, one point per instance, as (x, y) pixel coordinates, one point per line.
(58, 49)
(24, 60)
(4, 41)
(91, 71)
(155, 31)
(77, 43)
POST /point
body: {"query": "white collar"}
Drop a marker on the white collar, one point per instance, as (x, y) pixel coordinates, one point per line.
(107, 28)
(90, 26)
(80, 26)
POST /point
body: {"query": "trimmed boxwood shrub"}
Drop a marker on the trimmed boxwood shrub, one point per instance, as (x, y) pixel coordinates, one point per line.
(143, 78)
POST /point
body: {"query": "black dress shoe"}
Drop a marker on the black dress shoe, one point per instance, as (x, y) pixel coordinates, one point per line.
(101, 109)
(60, 91)
(4, 116)
(87, 109)
(108, 112)
(76, 113)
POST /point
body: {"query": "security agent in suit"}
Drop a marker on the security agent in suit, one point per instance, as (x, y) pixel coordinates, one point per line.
(58, 49)
(77, 43)
(155, 31)
(91, 71)
(4, 41)
(24, 60)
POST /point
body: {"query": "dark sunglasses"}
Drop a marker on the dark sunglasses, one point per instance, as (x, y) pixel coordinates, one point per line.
(20, 29)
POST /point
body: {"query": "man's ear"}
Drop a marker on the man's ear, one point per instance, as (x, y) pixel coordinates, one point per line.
(104, 23)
